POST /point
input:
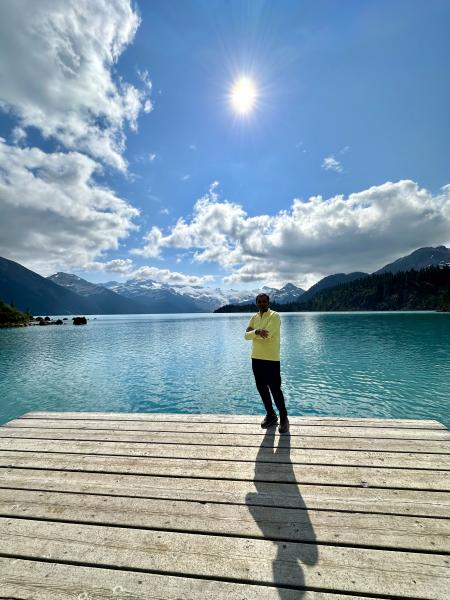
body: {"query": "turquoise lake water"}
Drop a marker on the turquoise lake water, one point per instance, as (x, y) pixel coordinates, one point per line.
(387, 365)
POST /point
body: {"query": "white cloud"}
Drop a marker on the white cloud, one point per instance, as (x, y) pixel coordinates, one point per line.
(145, 78)
(186, 177)
(18, 135)
(153, 245)
(170, 277)
(54, 216)
(322, 236)
(118, 265)
(145, 157)
(329, 163)
(164, 211)
(56, 61)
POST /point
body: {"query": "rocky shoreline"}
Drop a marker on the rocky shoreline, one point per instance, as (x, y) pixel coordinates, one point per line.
(10, 316)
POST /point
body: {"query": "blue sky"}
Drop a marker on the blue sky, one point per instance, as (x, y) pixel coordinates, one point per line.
(123, 156)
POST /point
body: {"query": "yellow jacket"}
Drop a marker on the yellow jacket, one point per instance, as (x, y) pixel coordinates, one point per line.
(265, 348)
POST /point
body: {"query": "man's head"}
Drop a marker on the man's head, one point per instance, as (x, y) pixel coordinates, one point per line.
(262, 302)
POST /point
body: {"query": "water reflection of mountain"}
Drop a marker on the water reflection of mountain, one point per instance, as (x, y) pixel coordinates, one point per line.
(277, 524)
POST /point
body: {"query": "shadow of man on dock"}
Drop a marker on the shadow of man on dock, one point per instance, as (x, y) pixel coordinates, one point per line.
(281, 513)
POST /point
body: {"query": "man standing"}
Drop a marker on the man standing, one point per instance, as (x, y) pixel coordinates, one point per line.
(264, 330)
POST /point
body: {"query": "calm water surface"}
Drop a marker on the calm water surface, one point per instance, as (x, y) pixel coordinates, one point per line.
(388, 365)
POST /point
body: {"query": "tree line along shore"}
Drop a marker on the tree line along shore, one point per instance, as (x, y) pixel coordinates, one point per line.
(425, 289)
(12, 317)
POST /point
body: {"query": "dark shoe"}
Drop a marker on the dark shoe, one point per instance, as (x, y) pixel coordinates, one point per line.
(269, 420)
(284, 425)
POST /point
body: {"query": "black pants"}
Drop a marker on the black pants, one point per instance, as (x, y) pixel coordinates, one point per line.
(268, 377)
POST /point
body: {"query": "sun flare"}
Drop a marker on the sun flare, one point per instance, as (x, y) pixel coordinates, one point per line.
(243, 95)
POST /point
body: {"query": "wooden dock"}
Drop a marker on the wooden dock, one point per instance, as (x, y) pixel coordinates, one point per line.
(185, 507)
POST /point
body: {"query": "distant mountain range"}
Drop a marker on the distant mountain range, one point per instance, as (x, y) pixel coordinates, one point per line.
(419, 259)
(64, 293)
(99, 299)
(30, 292)
(163, 298)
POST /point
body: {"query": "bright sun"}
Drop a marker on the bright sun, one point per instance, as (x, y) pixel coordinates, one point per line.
(243, 95)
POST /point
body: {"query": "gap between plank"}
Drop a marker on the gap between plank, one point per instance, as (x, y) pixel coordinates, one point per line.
(185, 443)
(275, 506)
(225, 460)
(297, 483)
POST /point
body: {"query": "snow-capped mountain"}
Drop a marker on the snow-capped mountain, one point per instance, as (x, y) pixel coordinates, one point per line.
(185, 298)
(96, 298)
(195, 298)
(288, 293)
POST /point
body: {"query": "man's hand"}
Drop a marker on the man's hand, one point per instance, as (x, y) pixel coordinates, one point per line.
(261, 332)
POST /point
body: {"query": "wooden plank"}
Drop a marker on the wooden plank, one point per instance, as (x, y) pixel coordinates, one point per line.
(328, 568)
(219, 428)
(34, 580)
(267, 454)
(287, 495)
(231, 439)
(322, 527)
(208, 508)
(253, 419)
(210, 469)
